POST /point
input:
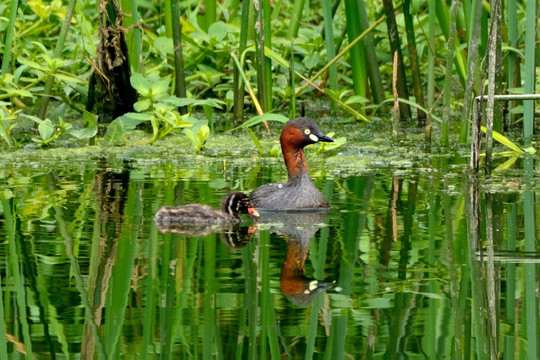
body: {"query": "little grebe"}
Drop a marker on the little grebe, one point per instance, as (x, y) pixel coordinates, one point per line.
(299, 193)
(233, 204)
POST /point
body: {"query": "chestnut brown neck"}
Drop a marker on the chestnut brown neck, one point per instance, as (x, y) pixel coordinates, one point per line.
(293, 153)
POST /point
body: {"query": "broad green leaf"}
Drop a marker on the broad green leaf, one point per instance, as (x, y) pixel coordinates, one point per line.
(32, 64)
(45, 129)
(4, 134)
(164, 45)
(114, 134)
(131, 120)
(84, 133)
(67, 78)
(89, 119)
(355, 99)
(140, 83)
(159, 88)
(530, 150)
(218, 30)
(312, 60)
(173, 100)
(142, 105)
(197, 138)
(210, 102)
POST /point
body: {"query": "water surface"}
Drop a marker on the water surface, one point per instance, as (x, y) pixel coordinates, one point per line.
(413, 259)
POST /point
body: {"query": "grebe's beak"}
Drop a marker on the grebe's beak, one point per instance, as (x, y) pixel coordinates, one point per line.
(253, 212)
(322, 137)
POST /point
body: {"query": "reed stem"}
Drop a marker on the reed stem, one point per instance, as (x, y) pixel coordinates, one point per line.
(57, 52)
(179, 78)
(395, 45)
(10, 31)
(238, 86)
(530, 79)
(330, 48)
(448, 73)
(413, 56)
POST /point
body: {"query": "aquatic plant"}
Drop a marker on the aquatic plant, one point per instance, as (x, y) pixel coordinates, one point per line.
(287, 50)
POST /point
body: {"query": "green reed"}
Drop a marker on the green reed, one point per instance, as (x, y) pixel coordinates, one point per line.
(430, 69)
(262, 63)
(210, 13)
(510, 290)
(372, 64)
(357, 53)
(17, 272)
(209, 324)
(448, 73)
(116, 301)
(180, 77)
(531, 245)
(395, 46)
(238, 85)
(413, 57)
(330, 47)
(295, 19)
(56, 54)
(473, 83)
(8, 40)
(529, 70)
(133, 35)
(269, 335)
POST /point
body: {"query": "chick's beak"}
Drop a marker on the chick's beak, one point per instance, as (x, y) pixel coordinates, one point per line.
(324, 138)
(253, 212)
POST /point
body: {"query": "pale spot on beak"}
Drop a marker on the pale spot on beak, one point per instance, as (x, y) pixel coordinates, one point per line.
(313, 138)
(313, 285)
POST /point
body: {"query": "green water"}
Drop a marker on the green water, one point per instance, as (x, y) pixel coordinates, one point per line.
(85, 273)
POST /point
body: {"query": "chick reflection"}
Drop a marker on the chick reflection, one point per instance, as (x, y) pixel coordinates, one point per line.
(202, 220)
(234, 236)
(298, 228)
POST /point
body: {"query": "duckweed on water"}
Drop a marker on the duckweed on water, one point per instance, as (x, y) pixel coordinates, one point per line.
(368, 149)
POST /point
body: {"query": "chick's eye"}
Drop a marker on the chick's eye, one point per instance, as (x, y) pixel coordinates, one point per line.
(307, 131)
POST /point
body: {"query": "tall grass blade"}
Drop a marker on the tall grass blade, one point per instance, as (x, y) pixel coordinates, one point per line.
(262, 31)
(448, 73)
(134, 37)
(357, 52)
(431, 69)
(395, 46)
(413, 57)
(292, 101)
(238, 86)
(117, 296)
(209, 325)
(494, 41)
(330, 46)
(295, 19)
(56, 54)
(473, 84)
(8, 40)
(267, 19)
(210, 13)
(510, 289)
(179, 76)
(18, 282)
(372, 63)
(531, 28)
